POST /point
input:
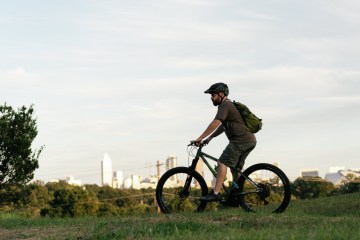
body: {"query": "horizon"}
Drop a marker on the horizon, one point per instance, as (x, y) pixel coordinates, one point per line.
(207, 174)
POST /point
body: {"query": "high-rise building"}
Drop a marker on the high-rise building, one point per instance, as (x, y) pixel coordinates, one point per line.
(171, 162)
(106, 171)
(135, 181)
(127, 183)
(119, 177)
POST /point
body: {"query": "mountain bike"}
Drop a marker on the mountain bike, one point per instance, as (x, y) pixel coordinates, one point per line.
(260, 188)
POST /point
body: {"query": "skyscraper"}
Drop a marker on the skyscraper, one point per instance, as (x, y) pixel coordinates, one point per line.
(106, 171)
(171, 162)
(119, 177)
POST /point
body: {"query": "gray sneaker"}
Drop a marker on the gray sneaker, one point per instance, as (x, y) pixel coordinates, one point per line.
(211, 197)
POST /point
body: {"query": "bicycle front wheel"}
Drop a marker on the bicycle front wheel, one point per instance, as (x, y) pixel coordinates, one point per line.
(264, 188)
(180, 190)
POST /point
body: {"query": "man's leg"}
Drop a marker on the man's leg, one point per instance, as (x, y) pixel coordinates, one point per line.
(235, 174)
(214, 194)
(244, 150)
(229, 157)
(221, 174)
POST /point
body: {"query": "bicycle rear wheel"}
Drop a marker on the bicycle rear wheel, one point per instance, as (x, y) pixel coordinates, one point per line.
(264, 188)
(180, 190)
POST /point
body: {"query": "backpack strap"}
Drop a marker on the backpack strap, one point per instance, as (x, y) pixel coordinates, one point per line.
(242, 116)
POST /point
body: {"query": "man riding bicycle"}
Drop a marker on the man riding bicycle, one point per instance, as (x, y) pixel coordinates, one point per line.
(241, 141)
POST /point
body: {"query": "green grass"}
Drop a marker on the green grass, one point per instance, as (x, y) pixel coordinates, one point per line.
(324, 218)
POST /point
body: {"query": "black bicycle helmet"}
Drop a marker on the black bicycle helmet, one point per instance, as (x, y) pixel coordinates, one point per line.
(218, 87)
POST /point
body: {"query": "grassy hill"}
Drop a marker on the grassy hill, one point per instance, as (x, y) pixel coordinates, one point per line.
(323, 218)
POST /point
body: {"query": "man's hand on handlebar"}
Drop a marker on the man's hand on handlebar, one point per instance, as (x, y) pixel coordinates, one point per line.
(196, 142)
(206, 141)
(200, 142)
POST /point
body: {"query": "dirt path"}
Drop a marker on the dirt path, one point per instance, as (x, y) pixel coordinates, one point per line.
(42, 233)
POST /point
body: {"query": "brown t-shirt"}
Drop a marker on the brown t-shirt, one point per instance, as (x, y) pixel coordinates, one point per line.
(233, 123)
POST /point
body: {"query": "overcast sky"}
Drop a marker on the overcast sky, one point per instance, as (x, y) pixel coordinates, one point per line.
(127, 78)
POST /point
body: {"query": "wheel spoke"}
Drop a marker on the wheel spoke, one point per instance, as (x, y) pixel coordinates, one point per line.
(172, 196)
(271, 193)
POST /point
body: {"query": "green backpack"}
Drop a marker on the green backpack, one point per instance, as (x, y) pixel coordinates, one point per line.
(253, 123)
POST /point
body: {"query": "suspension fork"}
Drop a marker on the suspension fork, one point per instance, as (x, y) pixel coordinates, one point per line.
(188, 180)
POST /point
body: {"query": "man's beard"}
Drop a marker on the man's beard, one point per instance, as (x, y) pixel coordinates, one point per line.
(216, 103)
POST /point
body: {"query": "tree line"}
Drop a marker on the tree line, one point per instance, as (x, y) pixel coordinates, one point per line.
(18, 161)
(65, 200)
(314, 187)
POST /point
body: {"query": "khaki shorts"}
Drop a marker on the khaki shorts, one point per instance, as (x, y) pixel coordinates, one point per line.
(234, 154)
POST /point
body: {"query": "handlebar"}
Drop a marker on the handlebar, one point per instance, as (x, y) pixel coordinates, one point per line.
(200, 145)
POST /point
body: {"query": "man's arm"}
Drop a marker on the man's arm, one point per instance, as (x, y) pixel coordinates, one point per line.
(216, 133)
(214, 125)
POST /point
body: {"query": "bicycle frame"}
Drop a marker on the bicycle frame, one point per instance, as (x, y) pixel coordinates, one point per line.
(203, 156)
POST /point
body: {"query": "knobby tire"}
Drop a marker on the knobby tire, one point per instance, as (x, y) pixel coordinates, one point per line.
(277, 189)
(172, 197)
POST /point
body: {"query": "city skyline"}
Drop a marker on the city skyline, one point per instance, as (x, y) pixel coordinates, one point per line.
(335, 174)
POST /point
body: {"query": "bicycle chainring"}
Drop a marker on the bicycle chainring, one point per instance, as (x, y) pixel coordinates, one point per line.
(264, 192)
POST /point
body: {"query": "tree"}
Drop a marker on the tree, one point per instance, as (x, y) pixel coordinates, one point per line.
(311, 187)
(71, 201)
(353, 184)
(350, 187)
(18, 130)
(37, 198)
